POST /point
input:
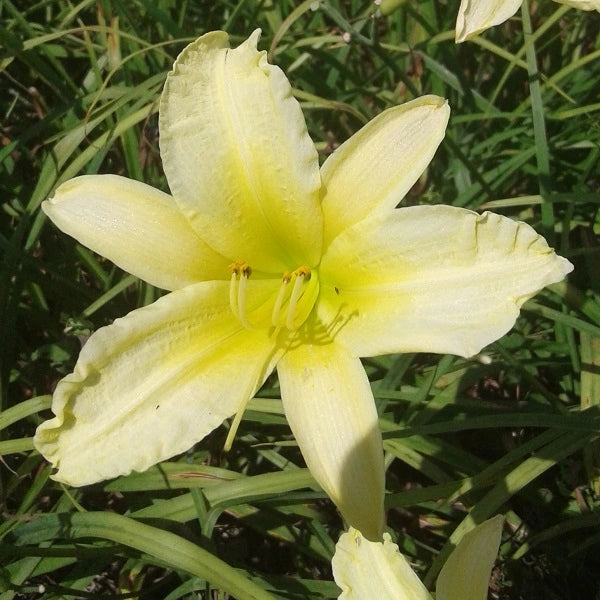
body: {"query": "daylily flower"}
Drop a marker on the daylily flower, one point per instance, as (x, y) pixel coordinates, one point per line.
(366, 570)
(273, 262)
(475, 16)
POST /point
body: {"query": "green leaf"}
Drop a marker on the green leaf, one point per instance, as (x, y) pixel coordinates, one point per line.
(166, 547)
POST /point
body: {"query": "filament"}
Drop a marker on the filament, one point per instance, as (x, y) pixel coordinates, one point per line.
(241, 299)
(233, 293)
(296, 291)
(279, 299)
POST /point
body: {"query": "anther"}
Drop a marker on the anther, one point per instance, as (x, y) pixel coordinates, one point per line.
(239, 267)
(304, 271)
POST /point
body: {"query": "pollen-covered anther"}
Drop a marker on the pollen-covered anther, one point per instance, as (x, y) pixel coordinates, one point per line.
(303, 272)
(240, 267)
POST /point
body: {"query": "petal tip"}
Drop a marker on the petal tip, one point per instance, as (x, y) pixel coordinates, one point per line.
(254, 37)
(438, 106)
(213, 40)
(57, 198)
(433, 100)
(567, 265)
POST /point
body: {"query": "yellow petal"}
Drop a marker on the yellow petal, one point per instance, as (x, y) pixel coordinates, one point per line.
(432, 279)
(466, 573)
(152, 384)
(582, 4)
(475, 16)
(374, 570)
(237, 155)
(136, 226)
(377, 166)
(330, 408)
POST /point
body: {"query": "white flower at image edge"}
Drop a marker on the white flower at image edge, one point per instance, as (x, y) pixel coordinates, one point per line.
(367, 570)
(475, 16)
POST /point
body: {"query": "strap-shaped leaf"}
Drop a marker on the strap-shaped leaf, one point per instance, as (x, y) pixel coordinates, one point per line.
(175, 551)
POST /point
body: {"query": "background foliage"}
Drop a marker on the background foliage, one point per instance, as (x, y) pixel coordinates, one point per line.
(501, 433)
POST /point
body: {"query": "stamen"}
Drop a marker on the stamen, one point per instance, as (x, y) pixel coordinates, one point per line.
(279, 300)
(301, 273)
(240, 271)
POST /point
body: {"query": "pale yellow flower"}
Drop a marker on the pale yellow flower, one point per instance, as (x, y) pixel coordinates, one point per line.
(275, 262)
(366, 570)
(475, 16)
